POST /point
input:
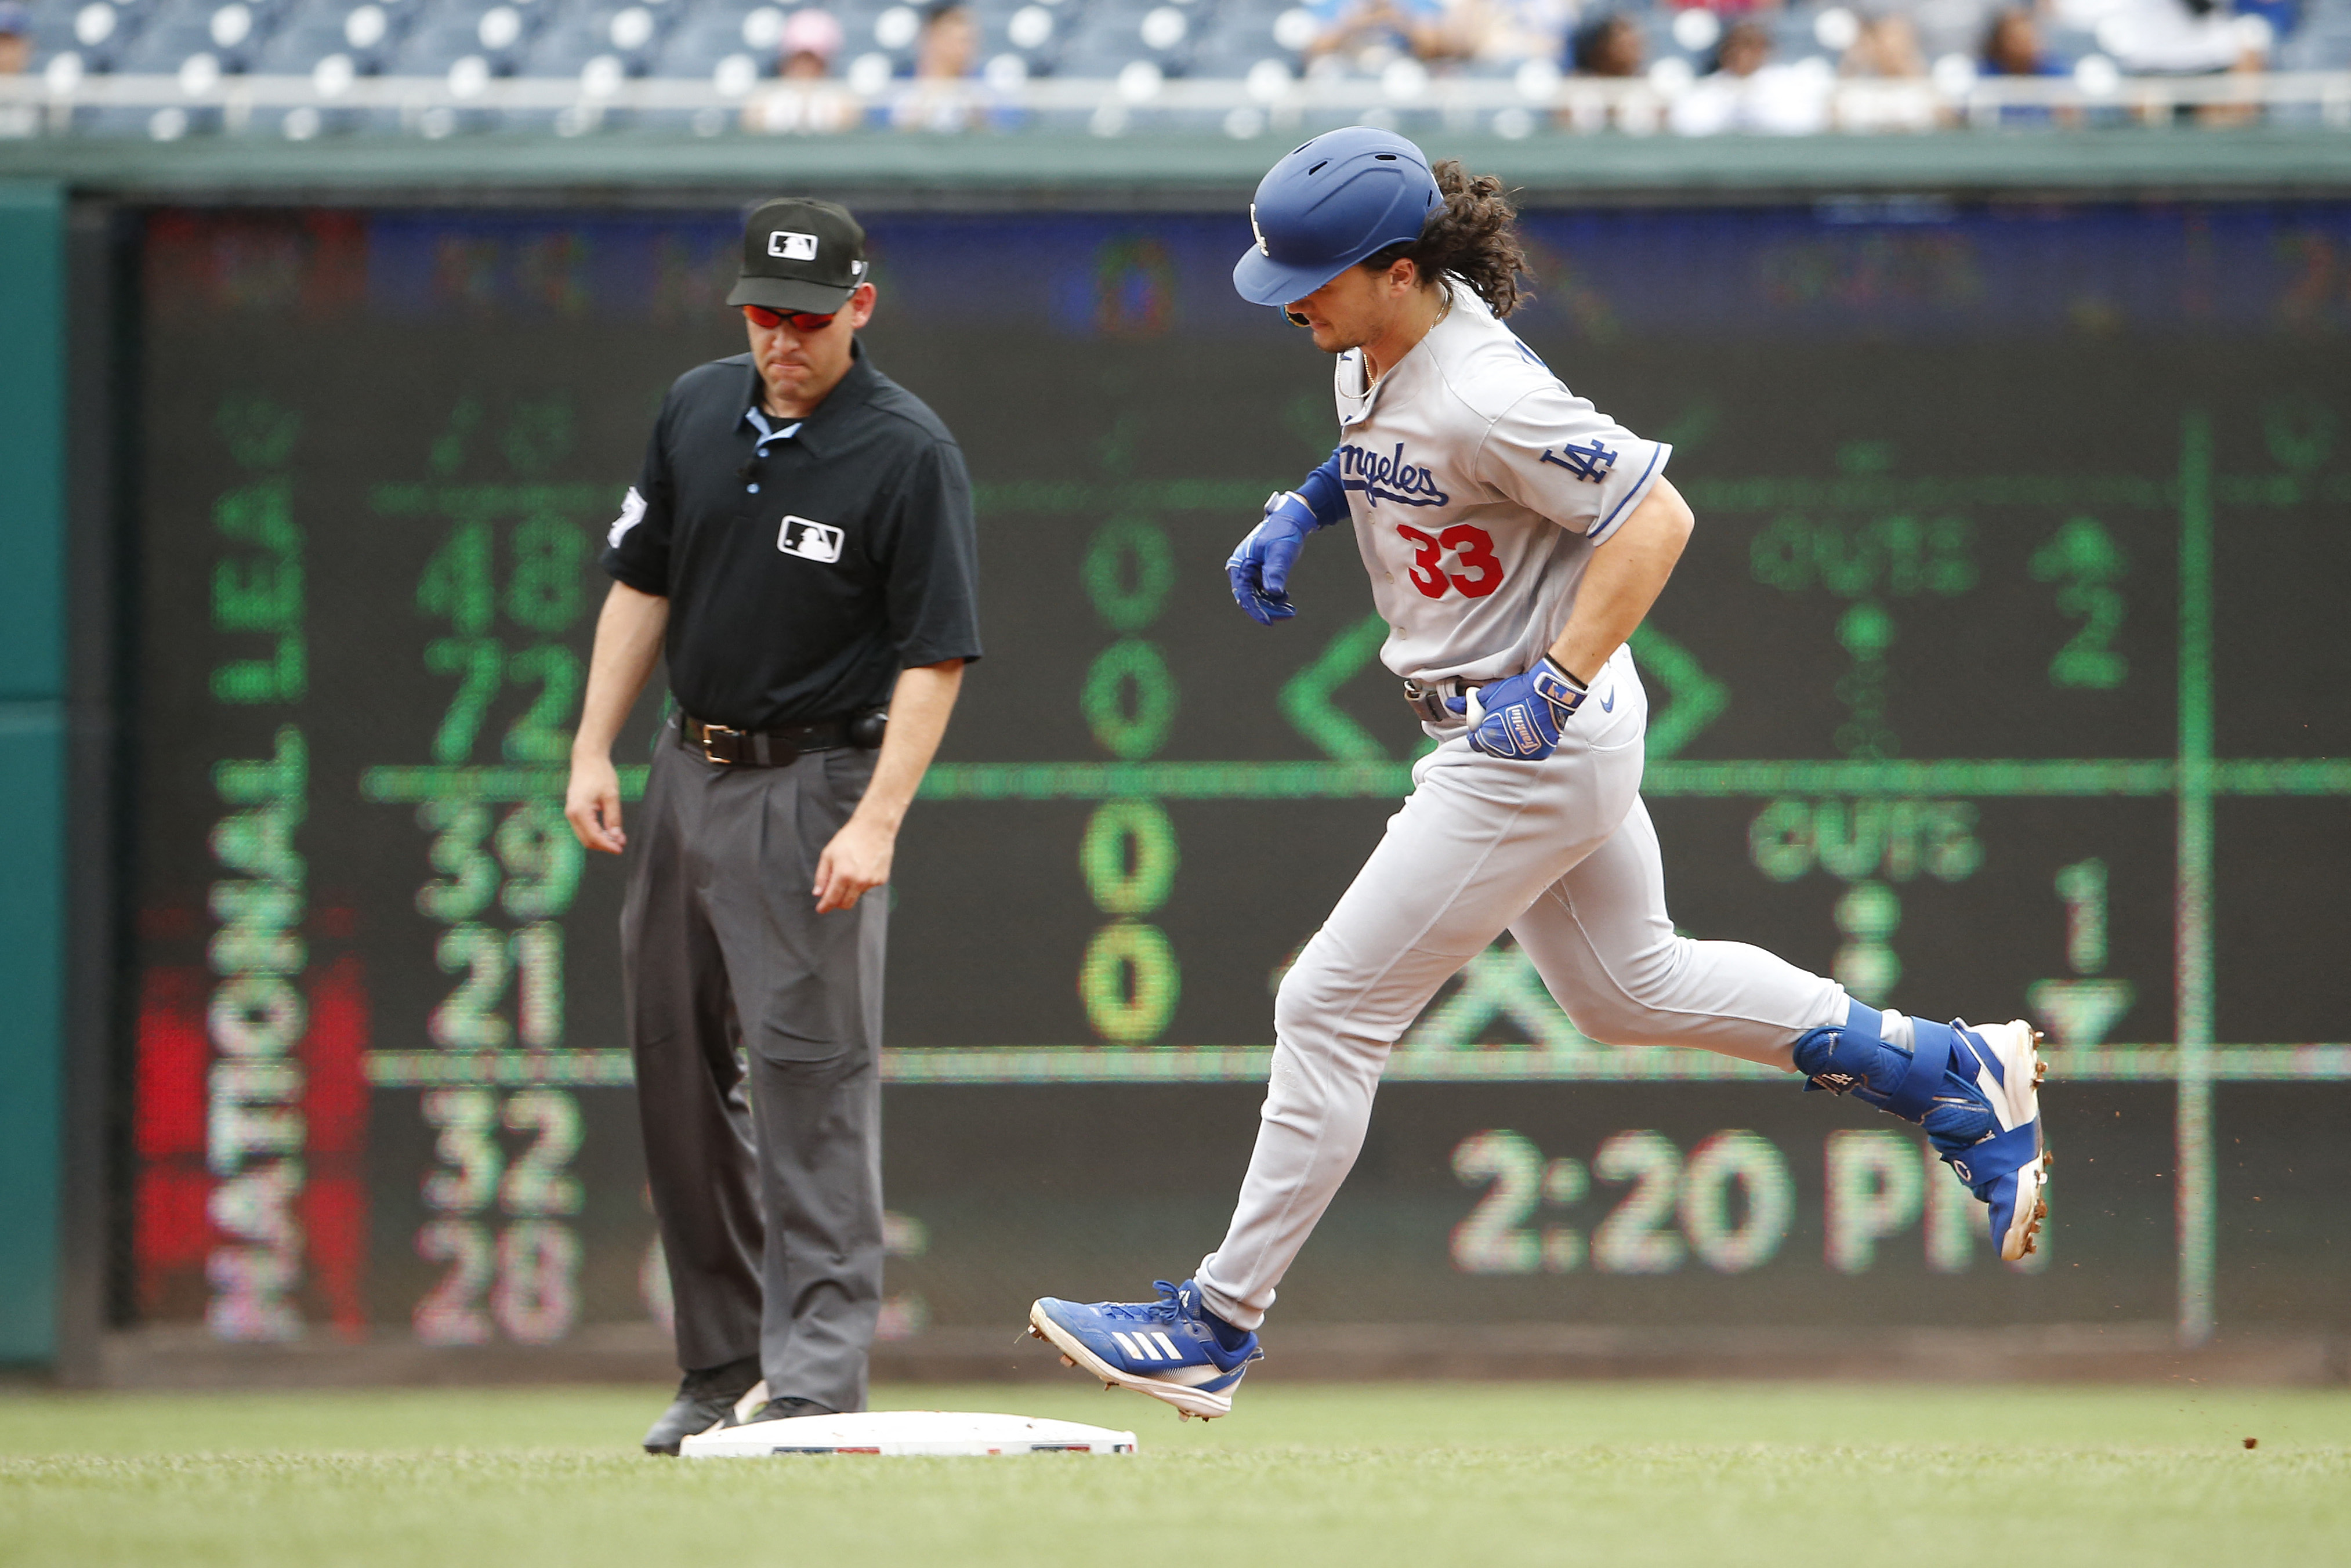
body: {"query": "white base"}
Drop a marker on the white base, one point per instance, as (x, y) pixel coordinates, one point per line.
(932, 1433)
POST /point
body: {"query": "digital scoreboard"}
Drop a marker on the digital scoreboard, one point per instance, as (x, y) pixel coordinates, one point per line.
(2002, 677)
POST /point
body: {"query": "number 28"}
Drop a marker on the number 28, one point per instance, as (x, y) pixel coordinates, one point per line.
(1476, 548)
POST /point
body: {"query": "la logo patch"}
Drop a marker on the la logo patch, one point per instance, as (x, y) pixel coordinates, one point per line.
(815, 541)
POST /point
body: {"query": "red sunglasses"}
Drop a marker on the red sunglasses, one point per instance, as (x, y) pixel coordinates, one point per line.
(801, 320)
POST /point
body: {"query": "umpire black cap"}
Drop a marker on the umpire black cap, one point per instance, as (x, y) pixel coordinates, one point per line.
(799, 254)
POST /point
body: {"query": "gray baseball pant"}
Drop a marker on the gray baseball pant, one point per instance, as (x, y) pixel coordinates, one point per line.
(756, 1026)
(1558, 852)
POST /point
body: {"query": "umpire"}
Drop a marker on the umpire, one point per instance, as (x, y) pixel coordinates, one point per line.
(799, 546)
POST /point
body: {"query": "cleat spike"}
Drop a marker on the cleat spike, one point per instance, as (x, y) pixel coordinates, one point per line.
(1069, 1361)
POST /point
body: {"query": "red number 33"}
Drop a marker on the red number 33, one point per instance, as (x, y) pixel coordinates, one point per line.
(1476, 548)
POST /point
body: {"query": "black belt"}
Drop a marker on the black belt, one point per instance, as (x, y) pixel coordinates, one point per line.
(760, 748)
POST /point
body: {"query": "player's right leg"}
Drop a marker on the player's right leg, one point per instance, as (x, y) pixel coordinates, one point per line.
(1606, 948)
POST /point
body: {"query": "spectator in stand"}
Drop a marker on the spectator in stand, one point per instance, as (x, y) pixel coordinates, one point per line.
(1608, 46)
(2179, 38)
(805, 98)
(1498, 32)
(1745, 49)
(1369, 33)
(1747, 92)
(1885, 71)
(2011, 47)
(943, 95)
(1887, 48)
(15, 56)
(16, 39)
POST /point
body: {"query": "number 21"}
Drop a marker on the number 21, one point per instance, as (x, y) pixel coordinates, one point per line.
(1476, 548)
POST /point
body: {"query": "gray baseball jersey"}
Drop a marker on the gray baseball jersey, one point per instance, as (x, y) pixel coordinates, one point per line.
(1478, 485)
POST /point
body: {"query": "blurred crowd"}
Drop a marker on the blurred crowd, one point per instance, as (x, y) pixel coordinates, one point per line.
(1788, 67)
(1755, 66)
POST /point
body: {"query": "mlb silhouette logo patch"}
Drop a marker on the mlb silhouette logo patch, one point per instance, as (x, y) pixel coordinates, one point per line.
(792, 245)
(810, 540)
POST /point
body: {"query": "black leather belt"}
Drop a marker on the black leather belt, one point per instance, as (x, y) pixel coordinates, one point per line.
(759, 748)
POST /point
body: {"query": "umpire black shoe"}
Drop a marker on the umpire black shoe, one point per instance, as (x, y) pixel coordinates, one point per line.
(785, 1409)
(705, 1399)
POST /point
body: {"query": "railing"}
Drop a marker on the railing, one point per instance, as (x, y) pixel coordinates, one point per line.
(1536, 99)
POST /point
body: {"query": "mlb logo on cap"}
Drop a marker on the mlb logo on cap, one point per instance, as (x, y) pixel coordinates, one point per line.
(799, 254)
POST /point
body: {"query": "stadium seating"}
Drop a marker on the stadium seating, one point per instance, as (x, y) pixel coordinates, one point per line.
(1136, 45)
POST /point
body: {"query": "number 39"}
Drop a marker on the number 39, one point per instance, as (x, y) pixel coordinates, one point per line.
(1476, 548)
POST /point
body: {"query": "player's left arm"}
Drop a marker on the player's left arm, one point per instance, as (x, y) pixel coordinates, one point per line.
(1625, 574)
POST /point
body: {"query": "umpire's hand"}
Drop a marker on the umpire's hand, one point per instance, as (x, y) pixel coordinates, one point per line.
(853, 864)
(592, 804)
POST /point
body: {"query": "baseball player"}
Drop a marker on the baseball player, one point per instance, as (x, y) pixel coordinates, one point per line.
(1515, 537)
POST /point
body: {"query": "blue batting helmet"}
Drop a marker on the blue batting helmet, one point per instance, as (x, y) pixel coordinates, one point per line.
(1327, 206)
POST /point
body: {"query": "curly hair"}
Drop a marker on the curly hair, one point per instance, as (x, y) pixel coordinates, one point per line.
(1469, 238)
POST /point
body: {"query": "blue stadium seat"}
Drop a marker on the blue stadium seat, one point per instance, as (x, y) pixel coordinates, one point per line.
(1239, 37)
(691, 50)
(1118, 32)
(1037, 32)
(628, 34)
(97, 40)
(167, 41)
(451, 30)
(299, 47)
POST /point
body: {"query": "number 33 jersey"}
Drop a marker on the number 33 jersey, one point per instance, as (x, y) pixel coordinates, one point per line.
(1478, 485)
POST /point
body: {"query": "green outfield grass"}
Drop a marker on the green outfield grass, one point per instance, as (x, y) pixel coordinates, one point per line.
(1617, 1474)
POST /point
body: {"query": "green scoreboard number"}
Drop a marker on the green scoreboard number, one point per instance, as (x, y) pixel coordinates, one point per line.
(2000, 679)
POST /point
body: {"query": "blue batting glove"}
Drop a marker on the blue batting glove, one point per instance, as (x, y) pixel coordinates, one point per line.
(1521, 717)
(1259, 567)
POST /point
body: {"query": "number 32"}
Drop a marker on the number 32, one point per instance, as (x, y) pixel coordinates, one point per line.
(1476, 548)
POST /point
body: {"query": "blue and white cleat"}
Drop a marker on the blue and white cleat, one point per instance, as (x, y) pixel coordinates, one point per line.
(1974, 1088)
(1167, 1348)
(2007, 1169)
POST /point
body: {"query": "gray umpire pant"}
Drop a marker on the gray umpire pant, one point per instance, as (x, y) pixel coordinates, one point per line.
(756, 1025)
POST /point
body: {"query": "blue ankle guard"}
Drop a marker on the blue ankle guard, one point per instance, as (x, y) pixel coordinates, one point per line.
(1854, 1059)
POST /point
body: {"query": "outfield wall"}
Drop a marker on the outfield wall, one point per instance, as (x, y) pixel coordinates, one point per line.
(1971, 693)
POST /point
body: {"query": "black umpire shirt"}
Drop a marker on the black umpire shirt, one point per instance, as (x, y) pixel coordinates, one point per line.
(804, 564)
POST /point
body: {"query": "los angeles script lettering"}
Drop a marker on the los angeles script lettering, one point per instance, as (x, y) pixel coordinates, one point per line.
(1388, 477)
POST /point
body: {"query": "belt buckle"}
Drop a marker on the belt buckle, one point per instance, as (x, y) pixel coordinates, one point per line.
(1428, 701)
(711, 732)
